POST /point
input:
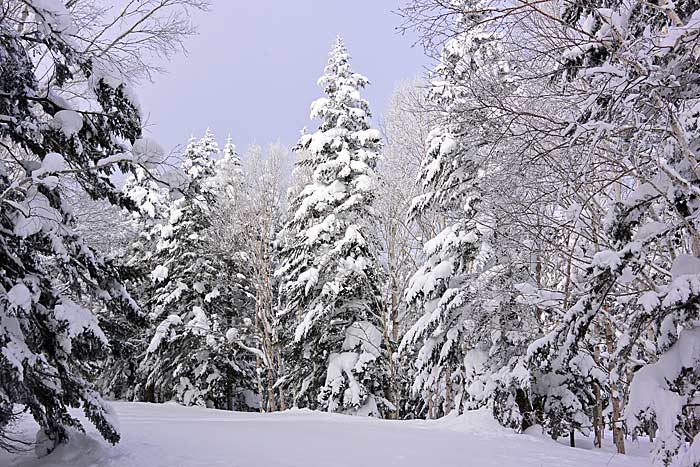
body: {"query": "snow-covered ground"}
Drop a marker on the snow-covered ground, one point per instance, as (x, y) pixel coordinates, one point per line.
(175, 436)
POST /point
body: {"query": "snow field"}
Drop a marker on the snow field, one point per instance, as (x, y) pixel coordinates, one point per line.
(155, 435)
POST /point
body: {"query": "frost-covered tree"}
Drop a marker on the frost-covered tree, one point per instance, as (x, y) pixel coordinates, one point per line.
(260, 216)
(603, 130)
(464, 292)
(227, 188)
(405, 125)
(648, 227)
(331, 325)
(198, 352)
(230, 156)
(489, 88)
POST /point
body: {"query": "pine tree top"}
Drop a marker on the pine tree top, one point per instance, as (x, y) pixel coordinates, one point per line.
(230, 153)
(343, 107)
(208, 143)
(198, 162)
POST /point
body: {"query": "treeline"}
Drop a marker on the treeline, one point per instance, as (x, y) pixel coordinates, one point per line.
(545, 265)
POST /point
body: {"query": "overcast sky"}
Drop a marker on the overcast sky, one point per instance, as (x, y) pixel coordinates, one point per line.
(252, 69)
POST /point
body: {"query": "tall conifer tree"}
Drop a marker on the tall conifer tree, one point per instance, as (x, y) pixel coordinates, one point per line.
(197, 353)
(330, 274)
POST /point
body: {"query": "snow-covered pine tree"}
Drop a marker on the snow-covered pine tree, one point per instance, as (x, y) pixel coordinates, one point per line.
(464, 293)
(129, 337)
(329, 271)
(152, 200)
(440, 288)
(231, 157)
(485, 89)
(199, 352)
(48, 339)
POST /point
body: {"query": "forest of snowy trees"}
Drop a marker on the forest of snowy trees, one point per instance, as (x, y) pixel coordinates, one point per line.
(519, 231)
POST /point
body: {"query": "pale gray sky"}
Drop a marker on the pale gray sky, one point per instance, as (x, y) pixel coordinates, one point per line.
(252, 69)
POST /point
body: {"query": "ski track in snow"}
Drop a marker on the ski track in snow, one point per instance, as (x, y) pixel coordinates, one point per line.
(155, 435)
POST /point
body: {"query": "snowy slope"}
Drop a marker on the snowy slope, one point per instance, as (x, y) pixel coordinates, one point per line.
(174, 436)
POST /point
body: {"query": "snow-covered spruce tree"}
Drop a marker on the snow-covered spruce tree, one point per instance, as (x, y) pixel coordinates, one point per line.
(232, 159)
(549, 399)
(334, 355)
(118, 376)
(48, 339)
(198, 353)
(438, 288)
(464, 293)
